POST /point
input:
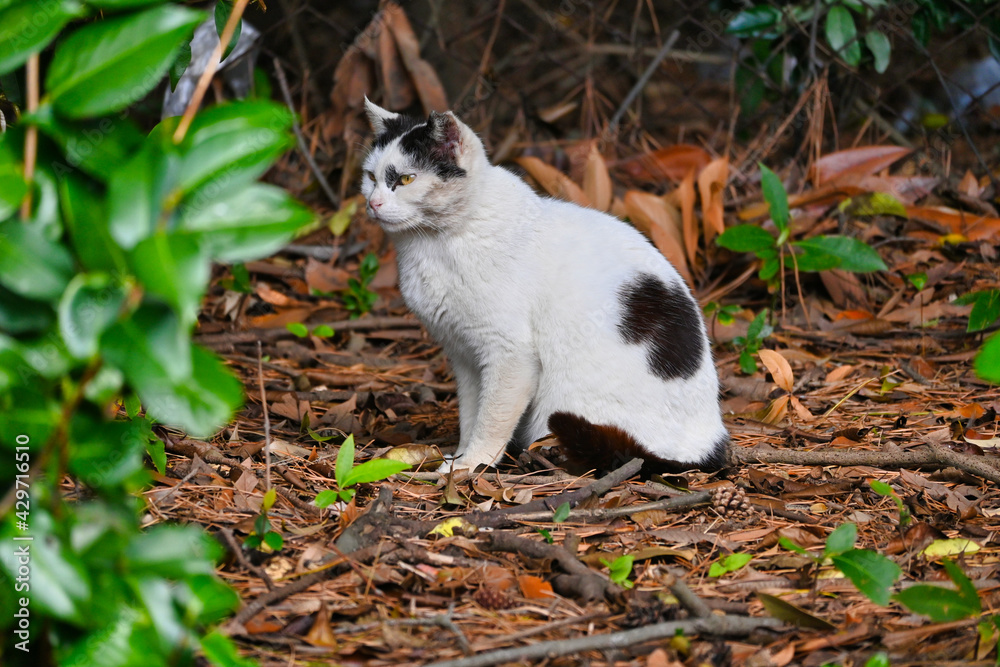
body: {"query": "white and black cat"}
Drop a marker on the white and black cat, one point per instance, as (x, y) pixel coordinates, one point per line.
(554, 317)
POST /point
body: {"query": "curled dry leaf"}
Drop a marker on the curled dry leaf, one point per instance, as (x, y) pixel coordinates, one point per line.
(596, 180)
(779, 368)
(662, 223)
(855, 163)
(535, 588)
(972, 226)
(685, 193)
(671, 163)
(425, 79)
(711, 186)
(553, 181)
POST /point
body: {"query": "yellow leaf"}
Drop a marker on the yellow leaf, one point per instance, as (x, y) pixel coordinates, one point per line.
(942, 548)
(447, 527)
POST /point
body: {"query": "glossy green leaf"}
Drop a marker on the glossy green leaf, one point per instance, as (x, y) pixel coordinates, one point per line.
(373, 471)
(123, 4)
(873, 574)
(776, 198)
(12, 190)
(99, 465)
(109, 644)
(31, 264)
(221, 651)
(89, 306)
(940, 604)
(247, 223)
(880, 48)
(109, 64)
(841, 539)
(215, 599)
(137, 194)
(230, 144)
(987, 362)
(345, 460)
(174, 268)
(223, 9)
(842, 34)
(326, 498)
(808, 258)
(755, 22)
(854, 254)
(297, 329)
(96, 147)
(985, 309)
(85, 213)
(173, 551)
(745, 238)
(21, 316)
(27, 27)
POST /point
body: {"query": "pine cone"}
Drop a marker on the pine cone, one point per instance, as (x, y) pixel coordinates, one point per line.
(493, 599)
(647, 611)
(730, 502)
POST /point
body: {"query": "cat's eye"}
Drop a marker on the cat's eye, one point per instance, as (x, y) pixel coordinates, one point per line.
(406, 179)
(370, 175)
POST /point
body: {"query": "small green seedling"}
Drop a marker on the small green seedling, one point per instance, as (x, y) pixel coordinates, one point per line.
(546, 535)
(301, 330)
(883, 489)
(730, 563)
(917, 280)
(561, 513)
(358, 298)
(621, 568)
(240, 280)
(817, 253)
(985, 308)
(749, 345)
(262, 537)
(347, 474)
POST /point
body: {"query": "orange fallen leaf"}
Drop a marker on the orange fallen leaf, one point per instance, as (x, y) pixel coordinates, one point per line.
(711, 186)
(553, 181)
(971, 226)
(596, 181)
(685, 193)
(671, 163)
(855, 162)
(661, 222)
(535, 588)
(779, 368)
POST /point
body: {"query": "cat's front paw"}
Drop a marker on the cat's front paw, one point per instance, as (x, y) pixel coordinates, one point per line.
(464, 461)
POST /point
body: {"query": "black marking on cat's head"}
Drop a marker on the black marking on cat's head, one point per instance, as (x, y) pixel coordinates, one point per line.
(393, 128)
(435, 145)
(666, 319)
(391, 177)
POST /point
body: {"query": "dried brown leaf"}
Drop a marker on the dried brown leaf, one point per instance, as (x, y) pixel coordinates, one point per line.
(596, 181)
(553, 181)
(685, 192)
(779, 368)
(671, 163)
(425, 79)
(662, 223)
(855, 162)
(711, 186)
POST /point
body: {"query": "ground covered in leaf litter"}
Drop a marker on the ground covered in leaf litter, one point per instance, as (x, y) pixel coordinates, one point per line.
(867, 367)
(865, 378)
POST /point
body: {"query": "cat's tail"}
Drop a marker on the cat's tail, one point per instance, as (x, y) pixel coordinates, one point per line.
(604, 448)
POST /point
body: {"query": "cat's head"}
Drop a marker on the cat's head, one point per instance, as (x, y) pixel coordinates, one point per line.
(418, 171)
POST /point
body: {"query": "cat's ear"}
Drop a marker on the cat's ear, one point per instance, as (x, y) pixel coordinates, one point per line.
(447, 132)
(377, 116)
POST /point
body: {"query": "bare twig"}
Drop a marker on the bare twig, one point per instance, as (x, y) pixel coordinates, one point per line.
(274, 333)
(303, 147)
(643, 80)
(210, 69)
(685, 501)
(726, 626)
(31, 134)
(237, 551)
(267, 419)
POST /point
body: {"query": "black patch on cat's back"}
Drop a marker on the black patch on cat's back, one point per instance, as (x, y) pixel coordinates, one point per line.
(666, 319)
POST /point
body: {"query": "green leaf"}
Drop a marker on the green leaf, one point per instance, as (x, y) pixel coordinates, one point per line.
(123, 4)
(230, 144)
(244, 224)
(107, 454)
(940, 604)
(842, 34)
(12, 190)
(745, 238)
(873, 574)
(31, 264)
(987, 362)
(776, 198)
(27, 27)
(173, 551)
(89, 306)
(883, 489)
(132, 405)
(97, 147)
(326, 498)
(215, 598)
(985, 309)
(85, 214)
(769, 269)
(854, 255)
(965, 586)
(221, 651)
(759, 329)
(561, 513)
(323, 331)
(345, 460)
(179, 384)
(842, 539)
(273, 541)
(873, 203)
(341, 220)
(223, 8)
(373, 471)
(811, 259)
(297, 329)
(917, 280)
(880, 48)
(792, 546)
(747, 363)
(880, 659)
(174, 268)
(180, 64)
(269, 498)
(109, 64)
(156, 449)
(22, 316)
(755, 22)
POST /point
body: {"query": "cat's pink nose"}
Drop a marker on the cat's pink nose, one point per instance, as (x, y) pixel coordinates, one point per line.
(375, 204)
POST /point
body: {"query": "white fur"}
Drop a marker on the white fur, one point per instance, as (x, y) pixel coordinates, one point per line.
(522, 292)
